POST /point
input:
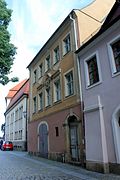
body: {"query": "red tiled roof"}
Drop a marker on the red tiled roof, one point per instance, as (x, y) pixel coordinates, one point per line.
(24, 90)
(14, 90)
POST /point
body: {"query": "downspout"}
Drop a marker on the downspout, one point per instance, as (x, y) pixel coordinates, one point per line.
(80, 86)
(26, 122)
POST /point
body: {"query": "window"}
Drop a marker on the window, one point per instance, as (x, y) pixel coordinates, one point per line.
(92, 67)
(21, 112)
(48, 96)
(47, 63)
(119, 121)
(116, 54)
(35, 76)
(41, 101)
(40, 70)
(69, 83)
(57, 90)
(56, 54)
(66, 44)
(34, 104)
(56, 131)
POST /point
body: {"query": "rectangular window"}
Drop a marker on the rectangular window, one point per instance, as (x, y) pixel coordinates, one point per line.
(66, 45)
(34, 104)
(47, 63)
(116, 53)
(57, 90)
(40, 70)
(56, 54)
(35, 76)
(69, 84)
(92, 68)
(48, 97)
(56, 131)
(41, 101)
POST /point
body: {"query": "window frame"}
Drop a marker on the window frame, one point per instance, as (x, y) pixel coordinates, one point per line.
(59, 91)
(47, 68)
(88, 85)
(56, 54)
(40, 70)
(47, 100)
(111, 56)
(73, 85)
(41, 102)
(34, 104)
(66, 44)
(35, 76)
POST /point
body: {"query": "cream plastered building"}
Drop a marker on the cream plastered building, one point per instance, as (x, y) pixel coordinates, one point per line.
(56, 127)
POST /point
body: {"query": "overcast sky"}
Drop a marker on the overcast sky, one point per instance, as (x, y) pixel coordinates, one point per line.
(33, 22)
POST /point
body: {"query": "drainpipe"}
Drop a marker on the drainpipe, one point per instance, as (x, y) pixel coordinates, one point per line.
(79, 79)
(75, 32)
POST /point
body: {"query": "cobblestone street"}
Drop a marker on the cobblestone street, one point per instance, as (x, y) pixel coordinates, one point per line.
(20, 166)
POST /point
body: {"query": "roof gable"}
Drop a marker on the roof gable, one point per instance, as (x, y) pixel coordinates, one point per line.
(114, 13)
(24, 90)
(111, 19)
(14, 90)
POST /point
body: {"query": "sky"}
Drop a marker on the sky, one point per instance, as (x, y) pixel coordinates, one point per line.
(32, 24)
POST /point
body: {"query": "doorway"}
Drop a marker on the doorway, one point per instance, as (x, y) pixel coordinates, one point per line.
(43, 140)
(73, 138)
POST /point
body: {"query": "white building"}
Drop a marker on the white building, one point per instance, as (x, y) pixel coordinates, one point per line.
(16, 115)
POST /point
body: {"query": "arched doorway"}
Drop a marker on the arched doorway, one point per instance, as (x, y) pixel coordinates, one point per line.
(43, 140)
(73, 138)
(116, 132)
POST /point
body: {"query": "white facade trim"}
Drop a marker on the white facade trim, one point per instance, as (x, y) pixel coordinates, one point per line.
(86, 69)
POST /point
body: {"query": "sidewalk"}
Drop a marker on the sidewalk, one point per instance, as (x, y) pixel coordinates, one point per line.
(76, 171)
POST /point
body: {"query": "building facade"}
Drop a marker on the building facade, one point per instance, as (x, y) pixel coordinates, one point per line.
(99, 69)
(55, 128)
(16, 115)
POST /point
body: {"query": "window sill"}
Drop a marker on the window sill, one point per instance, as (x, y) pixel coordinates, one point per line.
(68, 96)
(115, 74)
(66, 53)
(47, 107)
(40, 110)
(93, 85)
(57, 102)
(55, 63)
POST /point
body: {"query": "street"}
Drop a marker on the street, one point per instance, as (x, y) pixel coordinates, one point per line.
(20, 166)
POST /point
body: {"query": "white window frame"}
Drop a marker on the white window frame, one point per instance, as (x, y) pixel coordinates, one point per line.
(55, 89)
(47, 97)
(46, 63)
(86, 70)
(65, 51)
(111, 56)
(34, 105)
(56, 56)
(40, 70)
(35, 76)
(40, 101)
(65, 80)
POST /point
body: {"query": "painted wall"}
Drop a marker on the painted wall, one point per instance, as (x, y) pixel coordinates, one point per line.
(107, 90)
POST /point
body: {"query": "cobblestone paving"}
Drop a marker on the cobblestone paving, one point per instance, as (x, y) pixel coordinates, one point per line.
(20, 166)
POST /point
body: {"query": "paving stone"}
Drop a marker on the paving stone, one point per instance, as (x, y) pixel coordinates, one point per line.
(20, 166)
